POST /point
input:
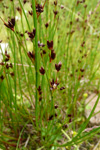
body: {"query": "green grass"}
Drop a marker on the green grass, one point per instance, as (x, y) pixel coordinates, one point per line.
(47, 117)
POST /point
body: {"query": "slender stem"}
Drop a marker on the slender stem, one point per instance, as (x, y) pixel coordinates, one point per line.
(36, 60)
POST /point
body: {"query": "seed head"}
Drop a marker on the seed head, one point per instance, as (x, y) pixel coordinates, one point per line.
(58, 66)
(42, 70)
(50, 44)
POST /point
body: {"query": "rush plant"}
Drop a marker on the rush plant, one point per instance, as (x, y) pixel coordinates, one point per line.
(51, 61)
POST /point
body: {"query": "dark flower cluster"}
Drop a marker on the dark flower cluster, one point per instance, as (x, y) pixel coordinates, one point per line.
(40, 93)
(19, 33)
(7, 56)
(42, 70)
(10, 24)
(31, 55)
(40, 44)
(50, 47)
(2, 77)
(53, 84)
(25, 1)
(39, 8)
(46, 25)
(52, 116)
(53, 55)
(83, 44)
(30, 13)
(80, 1)
(19, 10)
(50, 44)
(31, 34)
(55, 11)
(58, 66)
(62, 88)
(6, 65)
(55, 2)
(69, 117)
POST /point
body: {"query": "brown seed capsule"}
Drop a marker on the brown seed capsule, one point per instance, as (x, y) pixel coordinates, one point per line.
(69, 115)
(61, 6)
(44, 52)
(53, 55)
(76, 70)
(21, 34)
(11, 66)
(50, 44)
(83, 1)
(31, 55)
(56, 106)
(85, 55)
(2, 77)
(24, 1)
(82, 56)
(39, 8)
(82, 76)
(80, 51)
(19, 10)
(32, 34)
(51, 117)
(39, 90)
(55, 12)
(46, 25)
(58, 66)
(7, 55)
(7, 66)
(30, 13)
(71, 22)
(83, 44)
(78, 2)
(71, 75)
(42, 70)
(62, 88)
(3, 11)
(10, 24)
(12, 74)
(40, 98)
(82, 70)
(53, 84)
(55, 2)
(65, 126)
(79, 78)
(56, 115)
(6, 59)
(79, 61)
(77, 19)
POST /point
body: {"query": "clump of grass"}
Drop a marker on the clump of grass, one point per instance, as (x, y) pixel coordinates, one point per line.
(49, 65)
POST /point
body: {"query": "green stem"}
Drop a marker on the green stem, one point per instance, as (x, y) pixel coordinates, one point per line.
(36, 59)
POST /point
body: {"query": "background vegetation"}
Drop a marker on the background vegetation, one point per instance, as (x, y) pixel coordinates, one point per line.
(50, 67)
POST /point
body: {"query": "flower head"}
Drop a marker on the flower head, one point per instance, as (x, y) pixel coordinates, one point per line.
(58, 66)
(42, 70)
(53, 84)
